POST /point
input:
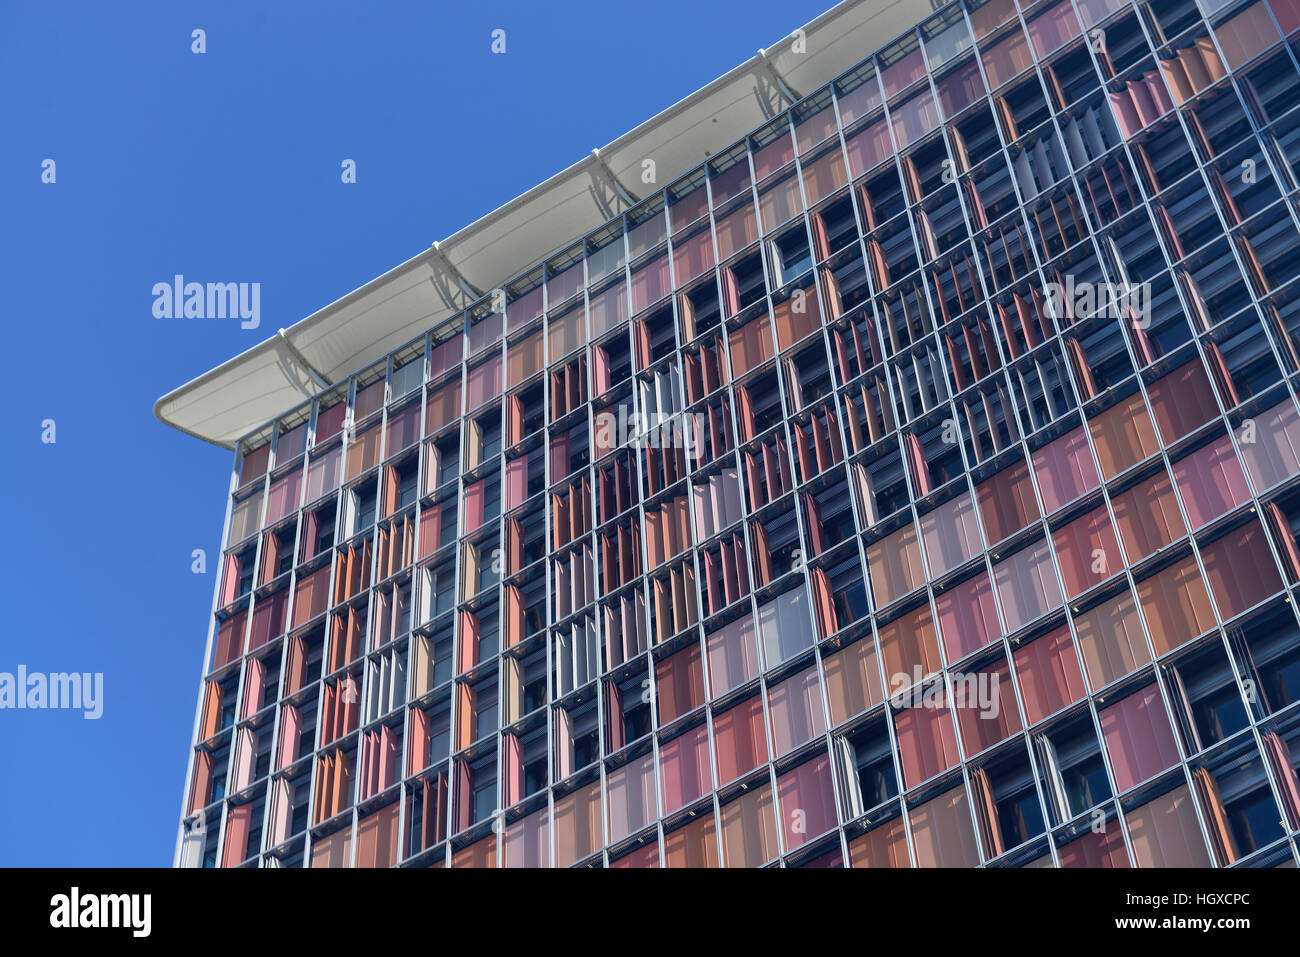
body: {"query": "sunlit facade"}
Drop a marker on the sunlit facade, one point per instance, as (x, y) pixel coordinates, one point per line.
(912, 484)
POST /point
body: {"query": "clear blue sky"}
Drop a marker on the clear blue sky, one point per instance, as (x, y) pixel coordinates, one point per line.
(225, 166)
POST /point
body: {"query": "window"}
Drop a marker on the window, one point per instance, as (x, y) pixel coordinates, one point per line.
(631, 802)
(1164, 832)
(1048, 673)
(1071, 772)
(740, 740)
(927, 743)
(807, 801)
(1210, 481)
(968, 618)
(882, 846)
(866, 767)
(1138, 737)
(852, 680)
(749, 829)
(684, 768)
(247, 568)
(941, 831)
(795, 709)
(1175, 605)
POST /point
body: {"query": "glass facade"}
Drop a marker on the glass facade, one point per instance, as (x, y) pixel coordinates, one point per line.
(914, 484)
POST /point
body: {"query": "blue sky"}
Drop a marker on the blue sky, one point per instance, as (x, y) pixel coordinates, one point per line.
(225, 167)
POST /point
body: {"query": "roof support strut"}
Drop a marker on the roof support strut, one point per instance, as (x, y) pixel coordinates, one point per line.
(467, 287)
(790, 94)
(320, 381)
(624, 194)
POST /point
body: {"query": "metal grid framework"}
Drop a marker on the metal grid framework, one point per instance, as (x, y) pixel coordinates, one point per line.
(463, 621)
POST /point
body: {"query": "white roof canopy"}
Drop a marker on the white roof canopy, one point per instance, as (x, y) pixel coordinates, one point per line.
(262, 383)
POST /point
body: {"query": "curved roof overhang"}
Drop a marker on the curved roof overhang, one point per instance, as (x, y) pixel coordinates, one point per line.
(243, 393)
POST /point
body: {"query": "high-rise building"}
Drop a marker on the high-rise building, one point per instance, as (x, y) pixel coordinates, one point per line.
(897, 465)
